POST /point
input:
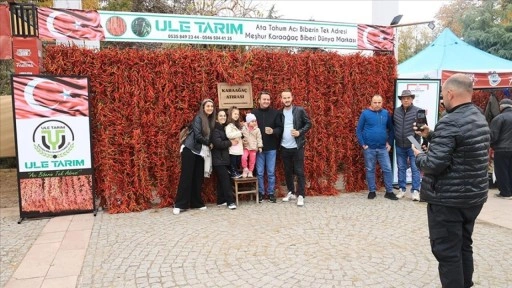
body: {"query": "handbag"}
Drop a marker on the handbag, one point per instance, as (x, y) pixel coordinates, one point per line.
(184, 132)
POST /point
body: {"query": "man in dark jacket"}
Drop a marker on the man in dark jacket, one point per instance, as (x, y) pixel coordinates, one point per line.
(296, 124)
(270, 127)
(455, 182)
(403, 119)
(501, 143)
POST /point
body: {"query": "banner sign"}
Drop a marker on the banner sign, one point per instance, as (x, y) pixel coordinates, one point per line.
(426, 97)
(28, 53)
(169, 28)
(53, 144)
(239, 96)
(492, 79)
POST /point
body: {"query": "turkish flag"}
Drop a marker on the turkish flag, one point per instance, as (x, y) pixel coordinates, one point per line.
(69, 24)
(374, 37)
(38, 96)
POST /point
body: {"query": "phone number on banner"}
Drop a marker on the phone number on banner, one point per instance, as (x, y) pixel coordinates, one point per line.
(197, 37)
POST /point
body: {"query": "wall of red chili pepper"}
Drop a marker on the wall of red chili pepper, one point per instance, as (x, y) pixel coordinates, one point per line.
(141, 98)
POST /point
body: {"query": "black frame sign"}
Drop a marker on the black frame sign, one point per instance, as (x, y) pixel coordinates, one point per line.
(53, 145)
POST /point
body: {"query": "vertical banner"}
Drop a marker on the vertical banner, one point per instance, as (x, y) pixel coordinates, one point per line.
(27, 55)
(53, 144)
(426, 93)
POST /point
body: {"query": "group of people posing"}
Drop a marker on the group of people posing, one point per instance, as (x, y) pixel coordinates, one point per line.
(376, 132)
(454, 165)
(230, 144)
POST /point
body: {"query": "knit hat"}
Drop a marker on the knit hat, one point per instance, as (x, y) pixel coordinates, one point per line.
(406, 93)
(250, 117)
(505, 103)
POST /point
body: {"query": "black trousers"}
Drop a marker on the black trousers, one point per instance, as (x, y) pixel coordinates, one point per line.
(224, 188)
(503, 171)
(450, 232)
(191, 181)
(235, 161)
(293, 162)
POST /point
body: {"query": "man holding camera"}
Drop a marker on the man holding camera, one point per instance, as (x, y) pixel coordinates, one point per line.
(403, 118)
(455, 183)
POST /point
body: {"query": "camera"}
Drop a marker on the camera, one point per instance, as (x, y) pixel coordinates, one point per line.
(421, 119)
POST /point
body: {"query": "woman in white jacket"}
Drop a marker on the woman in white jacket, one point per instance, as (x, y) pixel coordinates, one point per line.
(233, 132)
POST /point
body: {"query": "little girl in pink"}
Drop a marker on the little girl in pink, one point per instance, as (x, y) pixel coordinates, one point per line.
(252, 144)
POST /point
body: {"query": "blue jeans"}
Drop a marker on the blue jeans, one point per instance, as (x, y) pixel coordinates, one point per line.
(371, 156)
(266, 160)
(402, 154)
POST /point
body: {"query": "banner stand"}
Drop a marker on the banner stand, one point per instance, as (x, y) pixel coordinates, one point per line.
(53, 145)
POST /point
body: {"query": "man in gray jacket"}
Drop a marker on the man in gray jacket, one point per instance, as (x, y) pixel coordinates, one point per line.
(455, 183)
(403, 119)
(501, 143)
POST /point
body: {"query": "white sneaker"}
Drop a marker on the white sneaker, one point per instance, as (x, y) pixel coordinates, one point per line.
(203, 208)
(223, 204)
(415, 195)
(289, 196)
(249, 174)
(232, 206)
(300, 201)
(400, 194)
(176, 211)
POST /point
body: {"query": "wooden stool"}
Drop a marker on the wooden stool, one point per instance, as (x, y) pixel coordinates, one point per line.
(246, 182)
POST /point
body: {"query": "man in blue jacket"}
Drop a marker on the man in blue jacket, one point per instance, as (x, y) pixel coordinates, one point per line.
(375, 135)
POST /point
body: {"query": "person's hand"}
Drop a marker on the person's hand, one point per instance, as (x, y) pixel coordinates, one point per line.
(295, 133)
(259, 150)
(423, 132)
(416, 151)
(234, 142)
(269, 130)
(388, 147)
(365, 147)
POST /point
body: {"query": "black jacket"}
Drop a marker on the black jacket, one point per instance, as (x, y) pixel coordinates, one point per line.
(221, 144)
(195, 139)
(455, 166)
(269, 118)
(402, 122)
(301, 123)
(501, 131)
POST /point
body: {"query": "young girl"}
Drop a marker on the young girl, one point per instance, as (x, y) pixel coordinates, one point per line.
(252, 143)
(233, 132)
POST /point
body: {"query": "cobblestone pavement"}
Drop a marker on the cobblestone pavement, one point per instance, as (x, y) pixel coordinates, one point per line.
(15, 240)
(342, 241)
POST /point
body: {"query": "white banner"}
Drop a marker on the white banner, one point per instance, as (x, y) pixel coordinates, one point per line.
(147, 27)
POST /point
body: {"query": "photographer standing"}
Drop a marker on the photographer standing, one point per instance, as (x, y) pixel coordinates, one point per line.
(455, 182)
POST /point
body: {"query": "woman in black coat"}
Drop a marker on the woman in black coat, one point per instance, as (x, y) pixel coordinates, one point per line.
(220, 161)
(192, 162)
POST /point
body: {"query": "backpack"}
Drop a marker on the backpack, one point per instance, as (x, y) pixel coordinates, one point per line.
(184, 132)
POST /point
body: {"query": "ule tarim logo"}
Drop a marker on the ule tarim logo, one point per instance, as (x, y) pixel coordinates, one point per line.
(53, 139)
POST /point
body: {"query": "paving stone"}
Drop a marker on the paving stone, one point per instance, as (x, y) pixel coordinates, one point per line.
(340, 241)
